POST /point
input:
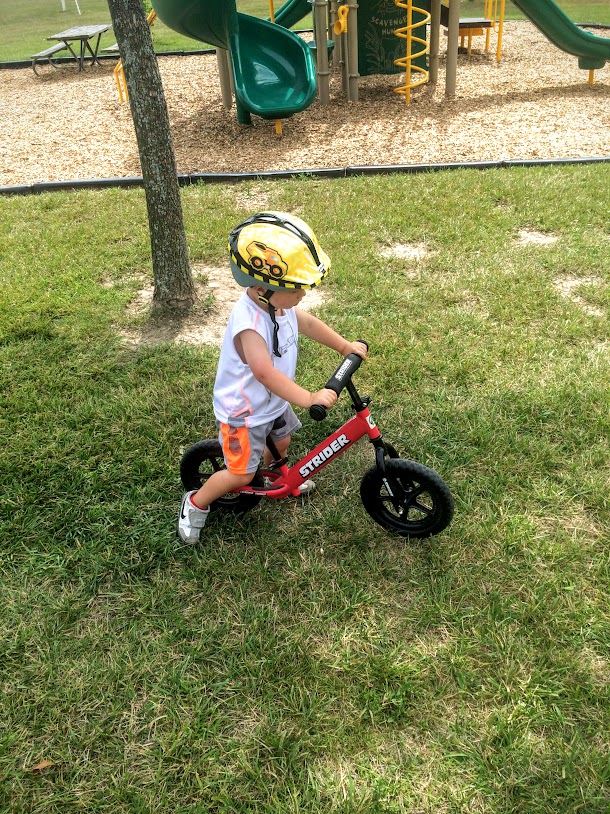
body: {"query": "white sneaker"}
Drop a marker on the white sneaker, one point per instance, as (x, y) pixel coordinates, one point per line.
(191, 519)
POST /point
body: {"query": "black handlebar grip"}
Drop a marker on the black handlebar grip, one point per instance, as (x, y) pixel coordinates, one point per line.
(340, 378)
(344, 373)
(318, 412)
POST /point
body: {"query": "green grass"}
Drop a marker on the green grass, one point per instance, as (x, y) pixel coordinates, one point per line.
(301, 659)
(581, 11)
(26, 25)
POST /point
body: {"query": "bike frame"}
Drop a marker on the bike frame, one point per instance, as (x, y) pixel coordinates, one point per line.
(287, 479)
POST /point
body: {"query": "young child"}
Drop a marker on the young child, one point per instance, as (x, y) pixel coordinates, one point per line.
(277, 259)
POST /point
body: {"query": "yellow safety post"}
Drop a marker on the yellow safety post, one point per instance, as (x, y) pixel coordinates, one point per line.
(487, 13)
(121, 84)
(406, 62)
(470, 33)
(278, 126)
(497, 21)
(591, 77)
(119, 73)
(271, 12)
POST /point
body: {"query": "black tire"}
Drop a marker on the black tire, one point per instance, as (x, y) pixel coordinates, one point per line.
(410, 499)
(199, 462)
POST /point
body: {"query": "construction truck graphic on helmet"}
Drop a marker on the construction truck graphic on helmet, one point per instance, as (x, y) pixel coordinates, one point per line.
(262, 256)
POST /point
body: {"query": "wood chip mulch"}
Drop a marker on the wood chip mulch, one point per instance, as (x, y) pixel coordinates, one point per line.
(534, 104)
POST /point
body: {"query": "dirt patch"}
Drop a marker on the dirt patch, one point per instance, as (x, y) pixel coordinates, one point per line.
(534, 104)
(568, 286)
(206, 323)
(527, 237)
(406, 251)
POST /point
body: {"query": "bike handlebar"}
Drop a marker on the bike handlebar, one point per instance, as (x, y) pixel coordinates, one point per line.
(338, 381)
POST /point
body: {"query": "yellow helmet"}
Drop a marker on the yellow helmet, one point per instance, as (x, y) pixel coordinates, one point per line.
(278, 251)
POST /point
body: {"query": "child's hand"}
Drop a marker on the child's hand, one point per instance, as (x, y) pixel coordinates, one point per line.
(324, 397)
(358, 348)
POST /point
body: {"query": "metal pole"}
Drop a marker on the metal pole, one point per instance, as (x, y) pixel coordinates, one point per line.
(320, 31)
(352, 50)
(435, 31)
(224, 74)
(340, 52)
(453, 36)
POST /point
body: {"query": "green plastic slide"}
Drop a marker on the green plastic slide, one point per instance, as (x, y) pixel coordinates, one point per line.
(273, 68)
(592, 52)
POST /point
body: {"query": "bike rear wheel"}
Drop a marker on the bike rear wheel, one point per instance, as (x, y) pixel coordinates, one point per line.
(203, 459)
(409, 498)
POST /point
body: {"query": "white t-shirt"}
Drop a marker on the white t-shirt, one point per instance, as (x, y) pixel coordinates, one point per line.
(239, 399)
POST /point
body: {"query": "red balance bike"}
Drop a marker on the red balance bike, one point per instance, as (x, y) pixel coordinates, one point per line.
(402, 496)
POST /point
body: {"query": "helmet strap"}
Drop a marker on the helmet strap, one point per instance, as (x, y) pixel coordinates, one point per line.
(265, 299)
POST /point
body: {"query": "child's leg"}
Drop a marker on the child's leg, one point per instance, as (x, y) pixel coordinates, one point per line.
(281, 435)
(242, 450)
(218, 484)
(282, 445)
(196, 505)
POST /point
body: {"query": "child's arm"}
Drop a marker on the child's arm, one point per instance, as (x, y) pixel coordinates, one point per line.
(256, 355)
(319, 331)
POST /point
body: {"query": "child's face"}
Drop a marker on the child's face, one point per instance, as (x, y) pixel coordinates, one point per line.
(287, 299)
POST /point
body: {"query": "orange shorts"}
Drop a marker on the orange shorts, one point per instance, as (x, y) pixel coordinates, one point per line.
(236, 449)
(243, 447)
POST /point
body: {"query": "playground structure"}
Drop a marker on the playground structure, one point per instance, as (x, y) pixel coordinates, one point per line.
(273, 73)
(469, 27)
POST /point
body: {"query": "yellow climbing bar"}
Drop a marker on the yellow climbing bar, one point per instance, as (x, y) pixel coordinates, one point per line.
(412, 41)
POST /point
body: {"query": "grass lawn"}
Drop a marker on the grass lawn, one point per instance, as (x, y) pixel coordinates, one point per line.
(26, 25)
(301, 659)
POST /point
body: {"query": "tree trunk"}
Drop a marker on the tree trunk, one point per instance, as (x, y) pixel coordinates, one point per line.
(173, 279)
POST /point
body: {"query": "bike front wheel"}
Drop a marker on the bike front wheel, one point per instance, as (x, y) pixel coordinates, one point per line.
(199, 462)
(409, 498)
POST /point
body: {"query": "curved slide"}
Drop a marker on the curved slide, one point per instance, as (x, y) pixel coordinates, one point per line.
(592, 52)
(273, 68)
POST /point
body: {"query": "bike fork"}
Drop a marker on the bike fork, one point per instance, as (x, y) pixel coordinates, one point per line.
(381, 450)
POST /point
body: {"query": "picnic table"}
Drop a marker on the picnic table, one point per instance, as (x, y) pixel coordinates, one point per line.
(81, 35)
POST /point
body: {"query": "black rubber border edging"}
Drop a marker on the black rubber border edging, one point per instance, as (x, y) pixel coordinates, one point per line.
(331, 172)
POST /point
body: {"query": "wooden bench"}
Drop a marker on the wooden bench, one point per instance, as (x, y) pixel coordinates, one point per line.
(47, 54)
(111, 49)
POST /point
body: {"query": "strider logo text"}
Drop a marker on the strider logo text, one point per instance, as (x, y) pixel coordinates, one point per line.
(324, 454)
